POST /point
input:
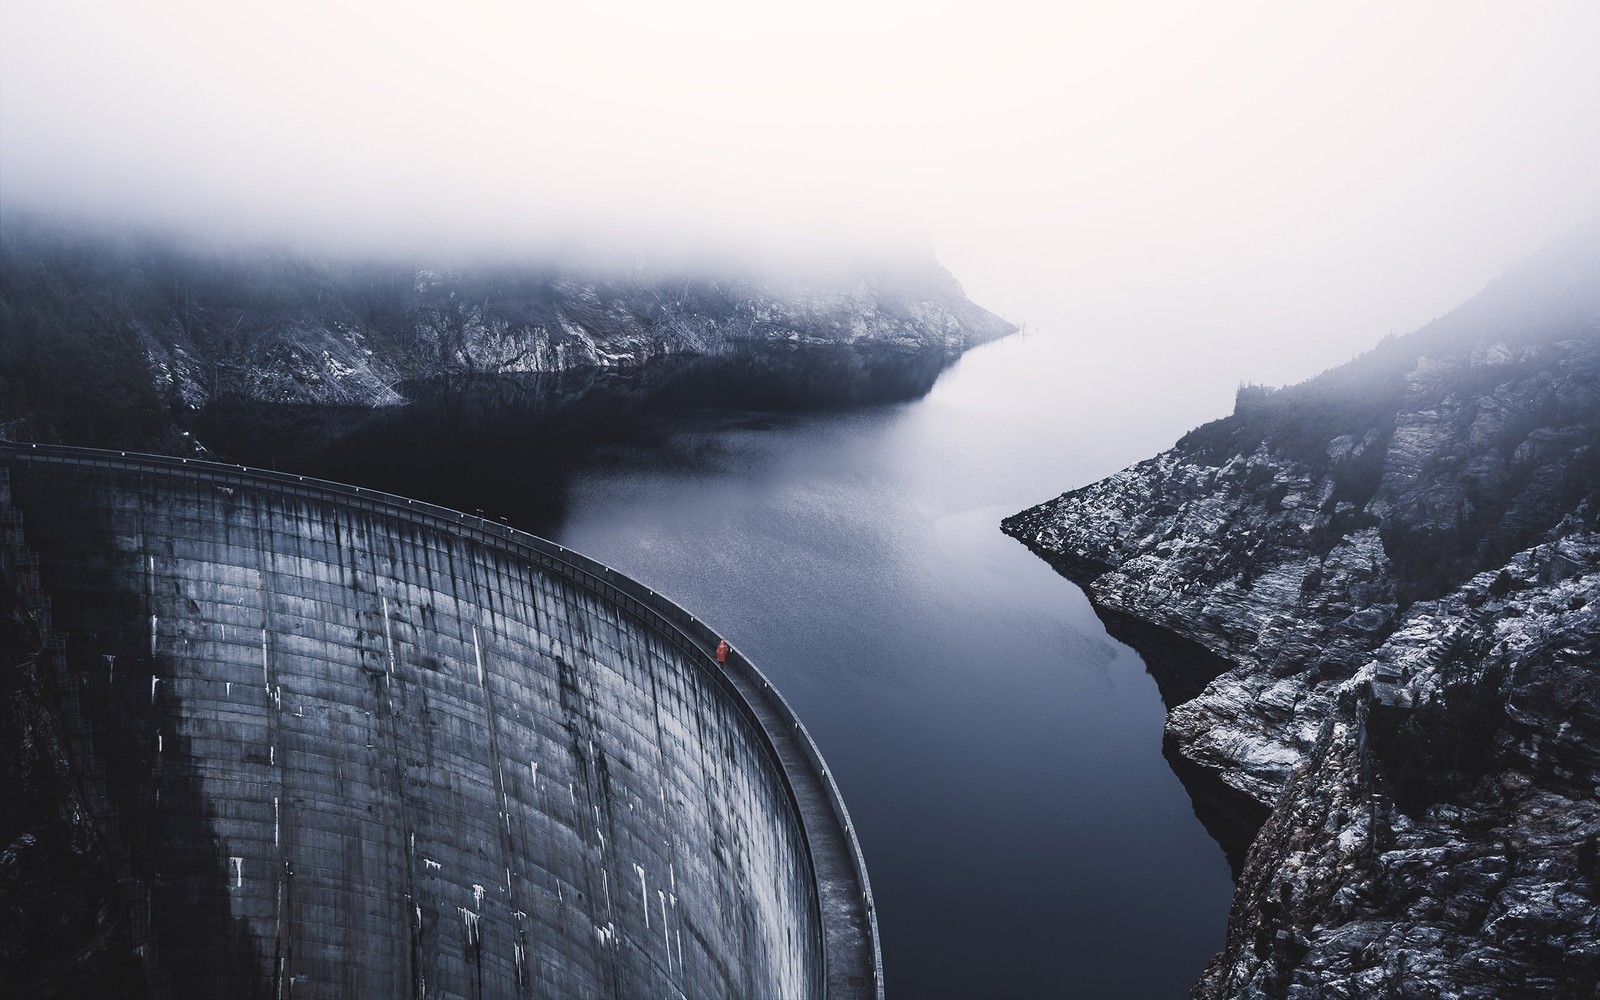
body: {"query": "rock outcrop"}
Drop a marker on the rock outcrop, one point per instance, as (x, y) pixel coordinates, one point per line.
(452, 322)
(153, 324)
(1370, 600)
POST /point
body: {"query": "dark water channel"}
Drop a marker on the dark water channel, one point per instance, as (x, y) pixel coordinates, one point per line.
(837, 518)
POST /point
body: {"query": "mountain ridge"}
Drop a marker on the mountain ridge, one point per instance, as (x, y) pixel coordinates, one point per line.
(1341, 586)
(156, 330)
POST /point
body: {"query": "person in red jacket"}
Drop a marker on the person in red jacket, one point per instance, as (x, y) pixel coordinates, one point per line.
(722, 651)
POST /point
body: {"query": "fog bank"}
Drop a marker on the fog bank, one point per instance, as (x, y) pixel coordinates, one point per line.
(1238, 191)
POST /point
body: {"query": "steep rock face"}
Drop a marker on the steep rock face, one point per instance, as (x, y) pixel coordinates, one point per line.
(453, 322)
(1391, 571)
(196, 326)
(1439, 838)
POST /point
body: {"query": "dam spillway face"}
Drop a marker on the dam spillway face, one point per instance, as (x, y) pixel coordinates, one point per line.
(359, 747)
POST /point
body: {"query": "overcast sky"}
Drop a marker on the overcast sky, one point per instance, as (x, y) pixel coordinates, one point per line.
(1245, 190)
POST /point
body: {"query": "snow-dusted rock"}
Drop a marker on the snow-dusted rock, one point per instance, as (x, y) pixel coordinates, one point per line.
(1381, 589)
(351, 346)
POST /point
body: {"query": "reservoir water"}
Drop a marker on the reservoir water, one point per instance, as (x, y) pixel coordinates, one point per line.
(999, 753)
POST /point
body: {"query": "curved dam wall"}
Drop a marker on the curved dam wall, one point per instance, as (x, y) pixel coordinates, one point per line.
(355, 746)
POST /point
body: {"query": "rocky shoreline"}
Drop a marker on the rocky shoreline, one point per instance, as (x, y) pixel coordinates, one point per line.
(1370, 602)
(160, 329)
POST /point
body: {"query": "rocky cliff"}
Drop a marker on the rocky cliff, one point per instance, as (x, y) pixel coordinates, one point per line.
(158, 328)
(1370, 600)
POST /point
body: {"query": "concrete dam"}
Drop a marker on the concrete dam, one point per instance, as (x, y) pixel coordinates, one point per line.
(343, 744)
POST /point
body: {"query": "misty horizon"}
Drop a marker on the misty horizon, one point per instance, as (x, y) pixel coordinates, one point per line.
(1254, 193)
(793, 320)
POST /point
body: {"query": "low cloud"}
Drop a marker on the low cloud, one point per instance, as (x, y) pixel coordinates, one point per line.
(1282, 183)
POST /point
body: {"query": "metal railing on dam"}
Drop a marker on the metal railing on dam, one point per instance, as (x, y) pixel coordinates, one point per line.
(850, 943)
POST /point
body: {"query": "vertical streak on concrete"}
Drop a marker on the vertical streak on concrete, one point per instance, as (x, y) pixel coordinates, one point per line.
(668, 841)
(576, 699)
(388, 638)
(284, 921)
(392, 752)
(477, 656)
(644, 895)
(666, 937)
(581, 681)
(411, 913)
(150, 597)
(503, 828)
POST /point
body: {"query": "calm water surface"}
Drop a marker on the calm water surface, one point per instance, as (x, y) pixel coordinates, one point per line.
(839, 522)
(1000, 755)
